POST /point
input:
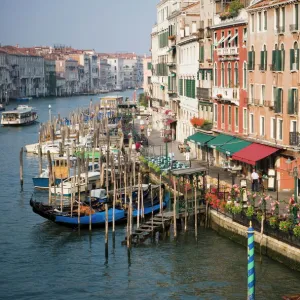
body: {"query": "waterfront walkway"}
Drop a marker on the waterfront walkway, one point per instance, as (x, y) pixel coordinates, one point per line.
(157, 146)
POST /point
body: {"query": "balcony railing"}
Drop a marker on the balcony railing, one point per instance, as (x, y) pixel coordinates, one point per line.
(228, 51)
(294, 27)
(269, 103)
(295, 139)
(226, 94)
(280, 30)
(252, 101)
(203, 93)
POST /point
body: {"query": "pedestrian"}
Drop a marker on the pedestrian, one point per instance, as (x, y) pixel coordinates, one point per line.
(254, 179)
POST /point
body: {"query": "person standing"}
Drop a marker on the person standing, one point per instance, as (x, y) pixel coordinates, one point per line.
(254, 179)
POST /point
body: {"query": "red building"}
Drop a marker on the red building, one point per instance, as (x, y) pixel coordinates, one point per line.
(229, 92)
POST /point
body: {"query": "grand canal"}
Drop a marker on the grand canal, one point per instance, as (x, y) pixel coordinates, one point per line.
(40, 260)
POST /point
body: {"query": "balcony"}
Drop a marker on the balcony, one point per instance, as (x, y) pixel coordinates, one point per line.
(203, 93)
(252, 101)
(226, 94)
(280, 30)
(294, 28)
(294, 139)
(269, 103)
(228, 51)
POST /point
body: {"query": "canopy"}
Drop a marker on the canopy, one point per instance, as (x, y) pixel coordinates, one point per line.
(233, 146)
(219, 141)
(253, 153)
(200, 138)
(233, 38)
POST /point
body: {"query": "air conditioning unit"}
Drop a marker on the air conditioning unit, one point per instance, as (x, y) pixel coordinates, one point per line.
(294, 67)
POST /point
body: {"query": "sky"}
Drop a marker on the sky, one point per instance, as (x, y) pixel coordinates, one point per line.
(102, 25)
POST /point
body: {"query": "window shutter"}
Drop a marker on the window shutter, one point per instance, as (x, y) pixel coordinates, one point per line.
(169, 83)
(277, 60)
(274, 60)
(250, 60)
(262, 60)
(298, 58)
(282, 60)
(296, 101)
(201, 58)
(292, 58)
(266, 60)
(279, 100)
(290, 102)
(253, 60)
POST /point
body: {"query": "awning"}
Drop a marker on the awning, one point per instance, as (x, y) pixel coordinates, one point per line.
(233, 146)
(170, 121)
(200, 138)
(219, 141)
(171, 48)
(254, 153)
(233, 38)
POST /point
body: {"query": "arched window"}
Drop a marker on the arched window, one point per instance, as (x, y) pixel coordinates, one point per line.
(236, 74)
(229, 75)
(245, 80)
(294, 59)
(263, 59)
(215, 75)
(222, 75)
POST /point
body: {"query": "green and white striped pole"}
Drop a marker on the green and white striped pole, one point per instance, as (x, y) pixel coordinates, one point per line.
(251, 264)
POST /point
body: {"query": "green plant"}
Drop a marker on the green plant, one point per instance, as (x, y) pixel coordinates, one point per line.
(236, 209)
(156, 169)
(228, 207)
(164, 174)
(250, 212)
(151, 165)
(234, 7)
(296, 230)
(285, 226)
(259, 216)
(273, 222)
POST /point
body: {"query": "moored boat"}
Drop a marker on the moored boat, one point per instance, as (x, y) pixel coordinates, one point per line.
(20, 116)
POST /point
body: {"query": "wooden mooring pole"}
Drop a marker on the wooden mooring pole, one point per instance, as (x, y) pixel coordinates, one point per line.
(174, 208)
(106, 231)
(21, 167)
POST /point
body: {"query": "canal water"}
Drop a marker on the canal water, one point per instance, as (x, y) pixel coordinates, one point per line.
(40, 260)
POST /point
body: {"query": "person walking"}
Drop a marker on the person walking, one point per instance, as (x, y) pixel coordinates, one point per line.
(254, 179)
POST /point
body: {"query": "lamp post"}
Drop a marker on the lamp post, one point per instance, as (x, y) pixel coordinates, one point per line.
(49, 112)
(165, 138)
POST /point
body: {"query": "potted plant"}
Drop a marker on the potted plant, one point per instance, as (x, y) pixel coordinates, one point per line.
(296, 230)
(250, 212)
(285, 226)
(219, 96)
(273, 222)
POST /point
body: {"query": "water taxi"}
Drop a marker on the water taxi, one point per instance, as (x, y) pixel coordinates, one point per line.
(22, 115)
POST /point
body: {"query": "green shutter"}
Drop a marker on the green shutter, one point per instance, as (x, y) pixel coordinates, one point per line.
(290, 102)
(250, 60)
(292, 58)
(201, 58)
(279, 100)
(266, 60)
(297, 16)
(253, 60)
(296, 102)
(262, 60)
(169, 83)
(274, 60)
(278, 64)
(298, 56)
(282, 52)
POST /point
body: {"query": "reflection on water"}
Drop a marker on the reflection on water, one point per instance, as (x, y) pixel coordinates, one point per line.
(40, 260)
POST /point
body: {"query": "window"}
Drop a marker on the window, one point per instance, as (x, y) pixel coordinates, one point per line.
(262, 126)
(215, 75)
(263, 59)
(194, 26)
(229, 81)
(215, 112)
(280, 129)
(222, 75)
(251, 93)
(278, 58)
(245, 76)
(245, 121)
(236, 75)
(223, 114)
(251, 125)
(259, 20)
(293, 126)
(229, 115)
(215, 40)
(149, 66)
(265, 20)
(236, 116)
(245, 35)
(294, 57)
(278, 100)
(263, 94)
(295, 26)
(293, 102)
(223, 36)
(277, 18)
(273, 128)
(252, 22)
(201, 54)
(251, 59)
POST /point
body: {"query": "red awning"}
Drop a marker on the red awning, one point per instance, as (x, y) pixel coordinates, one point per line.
(253, 153)
(169, 121)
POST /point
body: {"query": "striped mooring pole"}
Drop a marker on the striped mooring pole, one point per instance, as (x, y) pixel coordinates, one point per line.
(251, 263)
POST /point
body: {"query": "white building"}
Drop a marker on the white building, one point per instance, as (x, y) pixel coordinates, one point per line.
(116, 69)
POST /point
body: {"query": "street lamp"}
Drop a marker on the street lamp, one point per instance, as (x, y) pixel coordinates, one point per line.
(294, 173)
(49, 112)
